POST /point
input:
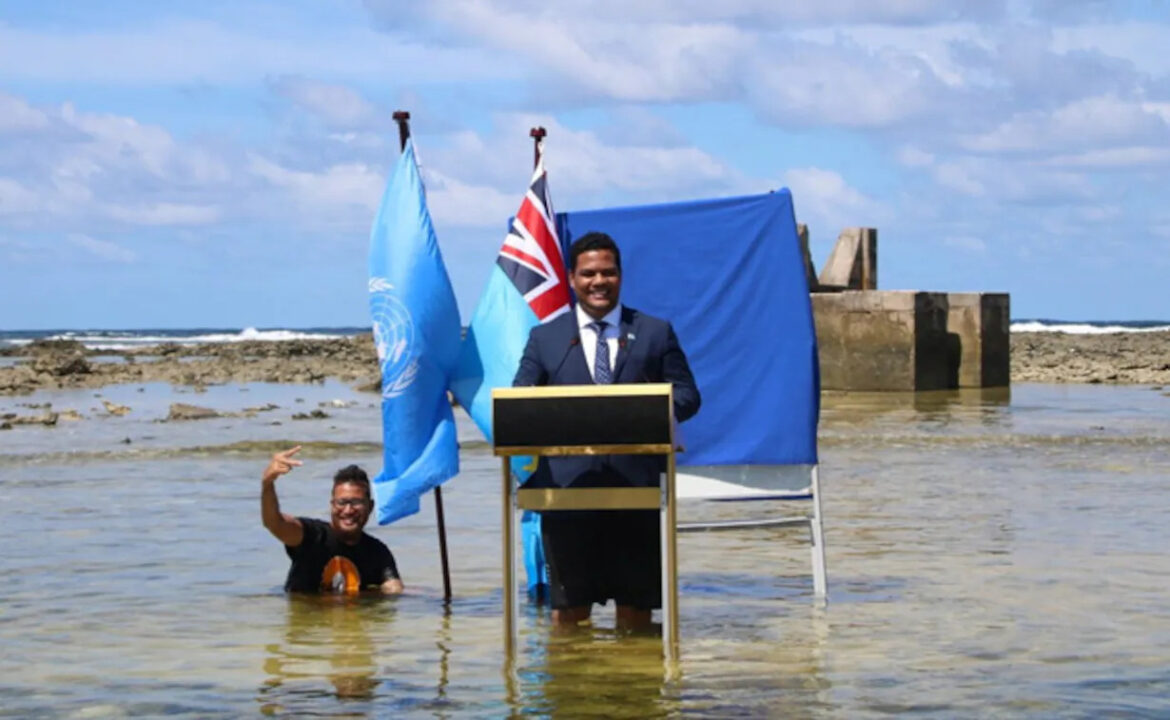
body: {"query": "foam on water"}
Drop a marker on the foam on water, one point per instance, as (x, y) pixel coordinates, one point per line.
(116, 340)
(1088, 328)
(101, 342)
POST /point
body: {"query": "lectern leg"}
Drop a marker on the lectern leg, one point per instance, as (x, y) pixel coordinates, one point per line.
(509, 526)
(670, 634)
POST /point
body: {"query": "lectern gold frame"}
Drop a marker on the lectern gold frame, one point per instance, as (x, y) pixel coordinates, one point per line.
(560, 420)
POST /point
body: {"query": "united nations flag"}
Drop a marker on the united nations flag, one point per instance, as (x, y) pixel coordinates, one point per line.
(416, 333)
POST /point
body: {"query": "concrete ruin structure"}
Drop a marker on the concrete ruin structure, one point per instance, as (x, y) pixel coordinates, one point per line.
(907, 340)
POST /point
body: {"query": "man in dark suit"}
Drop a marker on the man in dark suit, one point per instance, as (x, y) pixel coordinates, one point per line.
(594, 556)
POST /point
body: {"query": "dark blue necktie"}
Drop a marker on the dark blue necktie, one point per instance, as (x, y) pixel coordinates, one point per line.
(601, 372)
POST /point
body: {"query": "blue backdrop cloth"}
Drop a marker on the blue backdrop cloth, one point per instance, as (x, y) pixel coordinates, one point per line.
(416, 333)
(729, 275)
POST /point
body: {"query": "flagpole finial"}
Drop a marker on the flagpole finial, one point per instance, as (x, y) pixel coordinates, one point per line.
(402, 117)
(537, 134)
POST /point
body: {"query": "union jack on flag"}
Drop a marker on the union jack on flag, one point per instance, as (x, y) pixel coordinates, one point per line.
(531, 254)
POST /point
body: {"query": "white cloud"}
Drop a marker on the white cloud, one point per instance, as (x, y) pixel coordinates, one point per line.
(583, 168)
(1021, 183)
(1111, 158)
(102, 249)
(335, 190)
(957, 177)
(227, 53)
(911, 156)
(338, 105)
(469, 187)
(118, 141)
(634, 61)
(824, 199)
(843, 85)
(453, 203)
(15, 198)
(754, 13)
(1087, 122)
(1141, 43)
(105, 169)
(16, 115)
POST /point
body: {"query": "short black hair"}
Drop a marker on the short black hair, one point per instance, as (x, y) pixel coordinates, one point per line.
(593, 241)
(353, 475)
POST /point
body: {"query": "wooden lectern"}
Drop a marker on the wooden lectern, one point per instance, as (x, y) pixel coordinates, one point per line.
(588, 420)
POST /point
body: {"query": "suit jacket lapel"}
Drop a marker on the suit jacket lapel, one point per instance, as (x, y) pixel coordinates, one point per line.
(626, 340)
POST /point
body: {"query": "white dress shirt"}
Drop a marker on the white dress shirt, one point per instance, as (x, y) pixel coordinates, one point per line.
(589, 336)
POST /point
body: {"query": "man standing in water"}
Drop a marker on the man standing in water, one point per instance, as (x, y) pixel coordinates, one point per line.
(334, 556)
(597, 555)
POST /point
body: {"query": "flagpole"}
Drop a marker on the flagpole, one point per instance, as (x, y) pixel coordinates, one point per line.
(402, 118)
(537, 134)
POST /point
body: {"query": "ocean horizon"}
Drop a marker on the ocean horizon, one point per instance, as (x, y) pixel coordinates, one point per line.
(128, 338)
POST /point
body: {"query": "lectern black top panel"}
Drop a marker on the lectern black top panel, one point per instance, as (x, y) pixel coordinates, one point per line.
(581, 418)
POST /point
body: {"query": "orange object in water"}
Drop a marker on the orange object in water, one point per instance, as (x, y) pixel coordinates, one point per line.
(341, 576)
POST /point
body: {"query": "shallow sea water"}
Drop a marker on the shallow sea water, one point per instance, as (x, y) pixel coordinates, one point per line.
(990, 555)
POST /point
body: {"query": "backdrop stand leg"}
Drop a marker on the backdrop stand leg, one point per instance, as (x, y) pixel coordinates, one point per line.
(819, 573)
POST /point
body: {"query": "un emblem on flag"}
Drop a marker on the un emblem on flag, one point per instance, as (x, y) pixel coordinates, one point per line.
(394, 338)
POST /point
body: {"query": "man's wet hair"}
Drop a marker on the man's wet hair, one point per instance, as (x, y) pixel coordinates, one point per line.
(353, 475)
(591, 241)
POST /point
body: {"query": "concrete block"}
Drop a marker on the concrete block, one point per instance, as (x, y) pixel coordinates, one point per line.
(979, 339)
(852, 264)
(810, 271)
(879, 340)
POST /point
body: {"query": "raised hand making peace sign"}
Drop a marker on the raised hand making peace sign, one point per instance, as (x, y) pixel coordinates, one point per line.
(281, 463)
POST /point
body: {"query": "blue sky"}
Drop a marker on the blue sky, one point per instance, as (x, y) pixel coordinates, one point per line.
(204, 164)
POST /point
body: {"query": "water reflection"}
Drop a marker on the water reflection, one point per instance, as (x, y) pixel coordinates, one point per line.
(593, 672)
(327, 639)
(968, 402)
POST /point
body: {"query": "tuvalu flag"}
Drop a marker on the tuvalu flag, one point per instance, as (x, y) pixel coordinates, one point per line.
(416, 333)
(527, 286)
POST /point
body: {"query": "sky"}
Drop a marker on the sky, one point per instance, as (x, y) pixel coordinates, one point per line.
(218, 164)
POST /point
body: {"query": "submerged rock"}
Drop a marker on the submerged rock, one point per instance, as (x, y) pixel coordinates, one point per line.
(46, 346)
(61, 364)
(183, 411)
(261, 408)
(115, 409)
(48, 418)
(314, 415)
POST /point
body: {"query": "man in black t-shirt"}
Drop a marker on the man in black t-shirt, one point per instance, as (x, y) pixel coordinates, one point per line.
(334, 556)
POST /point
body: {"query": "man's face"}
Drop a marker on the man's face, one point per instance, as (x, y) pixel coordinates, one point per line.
(350, 509)
(597, 280)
